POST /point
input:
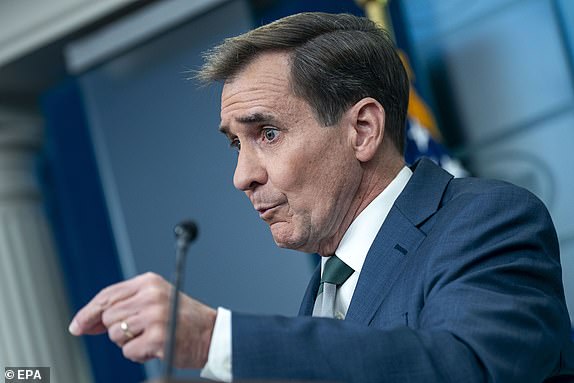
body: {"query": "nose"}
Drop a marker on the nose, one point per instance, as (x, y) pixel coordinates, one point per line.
(250, 170)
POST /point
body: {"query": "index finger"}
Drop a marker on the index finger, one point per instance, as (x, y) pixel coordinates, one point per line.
(89, 319)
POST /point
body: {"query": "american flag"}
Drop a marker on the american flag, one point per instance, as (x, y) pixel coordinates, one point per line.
(420, 143)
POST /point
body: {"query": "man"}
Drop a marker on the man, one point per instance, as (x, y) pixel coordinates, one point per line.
(445, 280)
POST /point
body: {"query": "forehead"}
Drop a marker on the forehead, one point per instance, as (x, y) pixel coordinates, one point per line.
(261, 87)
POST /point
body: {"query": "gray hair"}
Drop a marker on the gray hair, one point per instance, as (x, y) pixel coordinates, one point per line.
(336, 60)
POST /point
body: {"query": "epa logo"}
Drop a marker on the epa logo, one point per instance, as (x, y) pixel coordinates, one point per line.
(27, 374)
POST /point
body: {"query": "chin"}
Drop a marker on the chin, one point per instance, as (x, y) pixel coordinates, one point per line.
(286, 238)
(285, 243)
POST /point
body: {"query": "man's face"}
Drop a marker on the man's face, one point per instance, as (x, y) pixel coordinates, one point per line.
(299, 175)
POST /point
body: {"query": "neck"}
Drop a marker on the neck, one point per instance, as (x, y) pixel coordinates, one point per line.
(376, 177)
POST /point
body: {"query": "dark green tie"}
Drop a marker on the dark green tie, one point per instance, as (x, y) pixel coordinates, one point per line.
(335, 273)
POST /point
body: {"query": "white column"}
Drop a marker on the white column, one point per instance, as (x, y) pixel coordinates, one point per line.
(34, 312)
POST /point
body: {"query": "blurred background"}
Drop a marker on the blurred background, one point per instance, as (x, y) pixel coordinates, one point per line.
(106, 143)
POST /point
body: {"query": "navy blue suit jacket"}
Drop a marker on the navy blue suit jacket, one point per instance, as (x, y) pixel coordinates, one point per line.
(462, 284)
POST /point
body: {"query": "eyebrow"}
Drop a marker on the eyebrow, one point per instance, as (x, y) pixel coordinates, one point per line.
(250, 119)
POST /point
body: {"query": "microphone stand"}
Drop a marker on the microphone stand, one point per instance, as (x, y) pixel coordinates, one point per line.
(185, 233)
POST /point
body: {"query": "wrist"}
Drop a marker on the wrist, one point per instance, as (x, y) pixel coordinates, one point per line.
(206, 335)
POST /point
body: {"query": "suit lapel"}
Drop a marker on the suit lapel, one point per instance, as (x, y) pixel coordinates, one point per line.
(308, 302)
(397, 240)
(386, 259)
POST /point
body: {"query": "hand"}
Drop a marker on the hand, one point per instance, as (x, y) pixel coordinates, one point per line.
(143, 304)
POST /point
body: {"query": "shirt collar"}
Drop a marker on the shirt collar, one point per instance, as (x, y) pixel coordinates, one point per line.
(359, 237)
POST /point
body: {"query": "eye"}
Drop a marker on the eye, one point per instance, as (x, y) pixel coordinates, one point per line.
(270, 134)
(235, 144)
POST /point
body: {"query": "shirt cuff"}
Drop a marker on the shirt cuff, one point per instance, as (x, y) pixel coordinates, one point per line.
(218, 366)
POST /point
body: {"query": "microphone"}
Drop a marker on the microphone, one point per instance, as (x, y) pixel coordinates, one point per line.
(185, 233)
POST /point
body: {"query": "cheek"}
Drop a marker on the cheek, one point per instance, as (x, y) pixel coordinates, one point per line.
(335, 186)
(314, 175)
(289, 174)
(319, 182)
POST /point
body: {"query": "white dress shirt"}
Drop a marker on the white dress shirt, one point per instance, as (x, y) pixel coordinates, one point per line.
(352, 250)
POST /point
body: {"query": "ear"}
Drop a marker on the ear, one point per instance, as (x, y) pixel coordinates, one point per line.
(368, 122)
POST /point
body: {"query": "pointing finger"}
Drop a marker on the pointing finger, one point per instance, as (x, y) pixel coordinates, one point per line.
(89, 319)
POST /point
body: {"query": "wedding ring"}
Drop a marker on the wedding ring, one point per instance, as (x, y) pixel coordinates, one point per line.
(126, 329)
